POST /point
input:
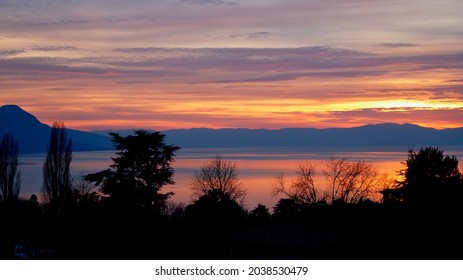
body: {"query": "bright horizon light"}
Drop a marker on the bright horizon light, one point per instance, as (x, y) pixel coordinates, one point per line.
(224, 64)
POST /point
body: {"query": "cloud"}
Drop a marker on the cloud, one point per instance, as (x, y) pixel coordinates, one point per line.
(41, 68)
(251, 36)
(84, 23)
(222, 65)
(423, 116)
(247, 59)
(54, 48)
(257, 35)
(323, 61)
(10, 52)
(60, 89)
(203, 22)
(209, 2)
(398, 45)
(290, 76)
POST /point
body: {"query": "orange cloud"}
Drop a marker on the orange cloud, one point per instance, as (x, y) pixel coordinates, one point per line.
(269, 64)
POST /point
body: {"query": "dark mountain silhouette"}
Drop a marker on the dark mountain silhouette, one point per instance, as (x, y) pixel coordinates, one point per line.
(33, 136)
(386, 134)
(28, 130)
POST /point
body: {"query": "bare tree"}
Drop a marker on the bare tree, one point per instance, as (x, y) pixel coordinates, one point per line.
(219, 176)
(10, 177)
(175, 210)
(56, 167)
(302, 189)
(350, 182)
(81, 186)
(389, 189)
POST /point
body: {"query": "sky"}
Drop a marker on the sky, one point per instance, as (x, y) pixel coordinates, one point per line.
(165, 64)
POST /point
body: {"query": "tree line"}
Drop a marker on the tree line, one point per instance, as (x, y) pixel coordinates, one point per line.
(131, 189)
(143, 166)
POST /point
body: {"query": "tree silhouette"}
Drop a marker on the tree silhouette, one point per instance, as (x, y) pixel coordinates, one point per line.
(260, 213)
(142, 167)
(10, 177)
(217, 212)
(212, 219)
(430, 178)
(388, 189)
(81, 186)
(56, 167)
(350, 182)
(34, 200)
(287, 208)
(302, 190)
(220, 178)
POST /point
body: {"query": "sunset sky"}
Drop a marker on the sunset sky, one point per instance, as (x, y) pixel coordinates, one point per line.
(162, 64)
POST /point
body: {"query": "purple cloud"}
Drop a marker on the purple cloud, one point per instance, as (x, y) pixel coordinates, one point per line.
(10, 52)
(54, 48)
(209, 2)
(398, 45)
(251, 36)
(186, 65)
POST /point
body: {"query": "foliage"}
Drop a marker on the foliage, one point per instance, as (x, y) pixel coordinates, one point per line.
(260, 213)
(142, 167)
(10, 177)
(218, 177)
(217, 209)
(287, 208)
(431, 177)
(56, 167)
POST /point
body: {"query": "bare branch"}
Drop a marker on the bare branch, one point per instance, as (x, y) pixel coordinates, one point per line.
(56, 167)
(350, 182)
(10, 177)
(218, 175)
(302, 189)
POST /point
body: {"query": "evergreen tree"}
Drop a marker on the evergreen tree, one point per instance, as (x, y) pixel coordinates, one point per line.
(142, 167)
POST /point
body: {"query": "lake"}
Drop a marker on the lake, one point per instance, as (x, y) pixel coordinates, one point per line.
(257, 166)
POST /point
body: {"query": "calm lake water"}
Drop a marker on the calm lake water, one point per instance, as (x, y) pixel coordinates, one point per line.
(257, 166)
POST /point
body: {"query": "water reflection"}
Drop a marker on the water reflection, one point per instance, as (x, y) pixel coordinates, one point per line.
(257, 166)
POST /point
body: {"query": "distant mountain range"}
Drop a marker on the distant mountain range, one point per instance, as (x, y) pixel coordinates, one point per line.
(404, 135)
(33, 136)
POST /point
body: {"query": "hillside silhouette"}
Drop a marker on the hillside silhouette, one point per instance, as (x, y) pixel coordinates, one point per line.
(33, 135)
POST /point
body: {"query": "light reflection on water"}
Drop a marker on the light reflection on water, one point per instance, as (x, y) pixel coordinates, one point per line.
(257, 166)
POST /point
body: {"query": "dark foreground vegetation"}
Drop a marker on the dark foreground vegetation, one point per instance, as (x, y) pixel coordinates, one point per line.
(129, 216)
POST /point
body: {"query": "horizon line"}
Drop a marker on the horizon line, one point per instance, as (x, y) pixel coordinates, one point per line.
(238, 128)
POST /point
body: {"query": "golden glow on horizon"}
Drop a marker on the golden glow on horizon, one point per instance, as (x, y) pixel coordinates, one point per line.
(405, 105)
(162, 65)
(92, 109)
